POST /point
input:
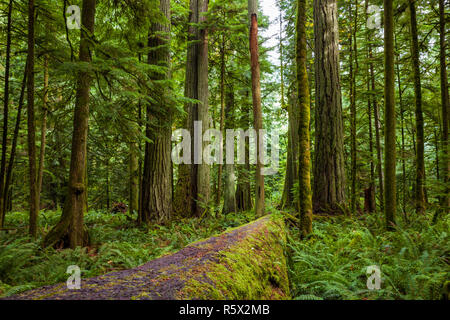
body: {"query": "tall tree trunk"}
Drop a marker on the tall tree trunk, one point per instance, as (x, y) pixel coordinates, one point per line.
(43, 127)
(70, 229)
(329, 174)
(371, 203)
(243, 189)
(353, 71)
(420, 162)
(34, 198)
(134, 177)
(257, 111)
(193, 187)
(5, 114)
(389, 101)
(229, 202)
(445, 107)
(203, 175)
(292, 163)
(376, 114)
(13, 149)
(304, 172)
(157, 179)
(222, 116)
(402, 119)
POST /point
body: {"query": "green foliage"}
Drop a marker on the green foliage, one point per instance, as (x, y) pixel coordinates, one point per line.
(332, 263)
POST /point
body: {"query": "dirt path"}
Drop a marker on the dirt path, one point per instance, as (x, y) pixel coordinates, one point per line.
(165, 278)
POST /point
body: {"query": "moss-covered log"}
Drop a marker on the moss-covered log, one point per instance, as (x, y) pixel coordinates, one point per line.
(244, 263)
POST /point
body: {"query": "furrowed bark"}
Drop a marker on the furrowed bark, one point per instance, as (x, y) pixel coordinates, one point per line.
(329, 174)
(157, 177)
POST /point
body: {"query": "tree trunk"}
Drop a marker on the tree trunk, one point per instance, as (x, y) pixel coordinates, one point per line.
(43, 127)
(292, 163)
(70, 229)
(134, 178)
(329, 175)
(193, 187)
(389, 97)
(445, 107)
(402, 119)
(3, 189)
(257, 111)
(229, 202)
(353, 71)
(222, 116)
(304, 172)
(34, 198)
(370, 203)
(157, 179)
(5, 114)
(203, 175)
(243, 189)
(420, 162)
(13, 150)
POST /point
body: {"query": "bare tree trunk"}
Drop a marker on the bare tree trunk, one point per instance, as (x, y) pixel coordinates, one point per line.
(376, 113)
(389, 97)
(329, 174)
(5, 114)
(229, 201)
(222, 116)
(134, 178)
(292, 163)
(43, 128)
(420, 161)
(257, 111)
(157, 179)
(203, 175)
(70, 229)
(34, 198)
(13, 149)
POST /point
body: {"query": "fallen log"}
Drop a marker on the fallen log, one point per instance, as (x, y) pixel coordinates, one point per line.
(245, 263)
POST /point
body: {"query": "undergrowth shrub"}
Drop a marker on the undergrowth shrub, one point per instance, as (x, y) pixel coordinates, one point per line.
(332, 263)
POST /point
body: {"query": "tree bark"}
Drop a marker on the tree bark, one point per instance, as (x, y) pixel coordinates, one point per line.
(329, 174)
(304, 171)
(5, 113)
(257, 111)
(445, 107)
(289, 200)
(229, 201)
(43, 127)
(390, 195)
(34, 197)
(420, 162)
(157, 178)
(12, 156)
(70, 229)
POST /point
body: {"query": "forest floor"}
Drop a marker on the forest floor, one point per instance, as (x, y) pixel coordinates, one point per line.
(330, 264)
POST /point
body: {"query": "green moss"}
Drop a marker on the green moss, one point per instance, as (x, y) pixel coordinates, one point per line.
(253, 268)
